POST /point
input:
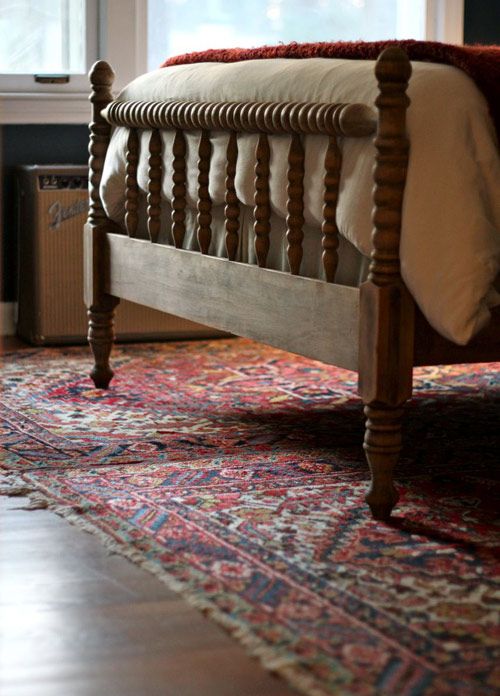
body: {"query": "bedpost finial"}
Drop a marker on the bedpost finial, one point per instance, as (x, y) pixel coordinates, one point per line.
(393, 65)
(101, 74)
(101, 78)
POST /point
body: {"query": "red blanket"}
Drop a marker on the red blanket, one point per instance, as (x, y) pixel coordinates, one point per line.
(481, 63)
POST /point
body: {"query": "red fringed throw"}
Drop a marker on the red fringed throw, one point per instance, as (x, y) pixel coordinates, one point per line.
(481, 63)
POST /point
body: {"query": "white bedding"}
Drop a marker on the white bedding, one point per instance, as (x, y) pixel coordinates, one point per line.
(450, 246)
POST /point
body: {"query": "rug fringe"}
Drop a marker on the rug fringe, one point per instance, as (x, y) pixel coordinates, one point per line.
(286, 666)
(14, 486)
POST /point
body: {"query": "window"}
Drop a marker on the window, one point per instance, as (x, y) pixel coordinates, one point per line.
(46, 37)
(66, 36)
(42, 37)
(180, 26)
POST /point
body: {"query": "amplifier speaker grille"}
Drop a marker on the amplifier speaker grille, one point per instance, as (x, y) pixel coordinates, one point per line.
(52, 211)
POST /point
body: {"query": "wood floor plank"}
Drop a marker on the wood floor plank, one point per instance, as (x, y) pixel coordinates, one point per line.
(76, 621)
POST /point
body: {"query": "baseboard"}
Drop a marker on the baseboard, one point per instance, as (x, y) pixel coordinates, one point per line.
(7, 321)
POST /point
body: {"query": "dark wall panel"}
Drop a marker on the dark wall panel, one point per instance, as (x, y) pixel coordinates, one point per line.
(482, 21)
(32, 144)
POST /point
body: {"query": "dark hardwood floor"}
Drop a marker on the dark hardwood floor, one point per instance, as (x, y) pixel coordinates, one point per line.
(77, 621)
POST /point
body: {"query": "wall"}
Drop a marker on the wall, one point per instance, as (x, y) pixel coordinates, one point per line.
(482, 21)
(31, 144)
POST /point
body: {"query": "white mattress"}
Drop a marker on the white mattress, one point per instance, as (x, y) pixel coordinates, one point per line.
(450, 245)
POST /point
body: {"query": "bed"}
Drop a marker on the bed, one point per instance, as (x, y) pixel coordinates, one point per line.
(204, 226)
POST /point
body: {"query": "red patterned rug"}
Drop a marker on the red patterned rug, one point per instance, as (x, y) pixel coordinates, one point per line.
(235, 473)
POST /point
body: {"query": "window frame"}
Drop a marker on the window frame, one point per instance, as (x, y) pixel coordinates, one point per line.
(121, 39)
(117, 34)
(20, 83)
(445, 21)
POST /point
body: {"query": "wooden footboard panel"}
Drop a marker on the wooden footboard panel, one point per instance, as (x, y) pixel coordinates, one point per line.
(314, 318)
(305, 316)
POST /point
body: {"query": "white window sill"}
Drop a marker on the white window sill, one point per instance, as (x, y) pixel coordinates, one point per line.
(29, 107)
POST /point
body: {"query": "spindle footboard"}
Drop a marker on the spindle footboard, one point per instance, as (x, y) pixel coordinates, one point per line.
(370, 329)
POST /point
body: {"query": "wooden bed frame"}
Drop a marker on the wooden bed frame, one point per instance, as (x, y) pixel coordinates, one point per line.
(374, 329)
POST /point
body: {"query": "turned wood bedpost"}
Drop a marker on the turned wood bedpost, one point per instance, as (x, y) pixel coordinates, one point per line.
(386, 307)
(100, 304)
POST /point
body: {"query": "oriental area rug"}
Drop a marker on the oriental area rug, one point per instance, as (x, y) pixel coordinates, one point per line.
(235, 473)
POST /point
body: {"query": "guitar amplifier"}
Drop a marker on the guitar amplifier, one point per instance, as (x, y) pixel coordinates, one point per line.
(53, 203)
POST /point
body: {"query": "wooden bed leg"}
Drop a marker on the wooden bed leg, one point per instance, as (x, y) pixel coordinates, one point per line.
(100, 304)
(385, 384)
(386, 306)
(382, 446)
(101, 337)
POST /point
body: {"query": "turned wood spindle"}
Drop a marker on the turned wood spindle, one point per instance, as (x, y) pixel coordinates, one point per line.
(101, 78)
(179, 189)
(386, 307)
(262, 209)
(204, 218)
(154, 185)
(232, 209)
(100, 305)
(295, 203)
(390, 169)
(330, 238)
(131, 187)
(351, 120)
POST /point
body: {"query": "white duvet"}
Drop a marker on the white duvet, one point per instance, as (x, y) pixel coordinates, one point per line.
(450, 244)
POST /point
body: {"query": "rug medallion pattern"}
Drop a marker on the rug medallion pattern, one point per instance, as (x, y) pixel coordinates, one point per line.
(236, 472)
